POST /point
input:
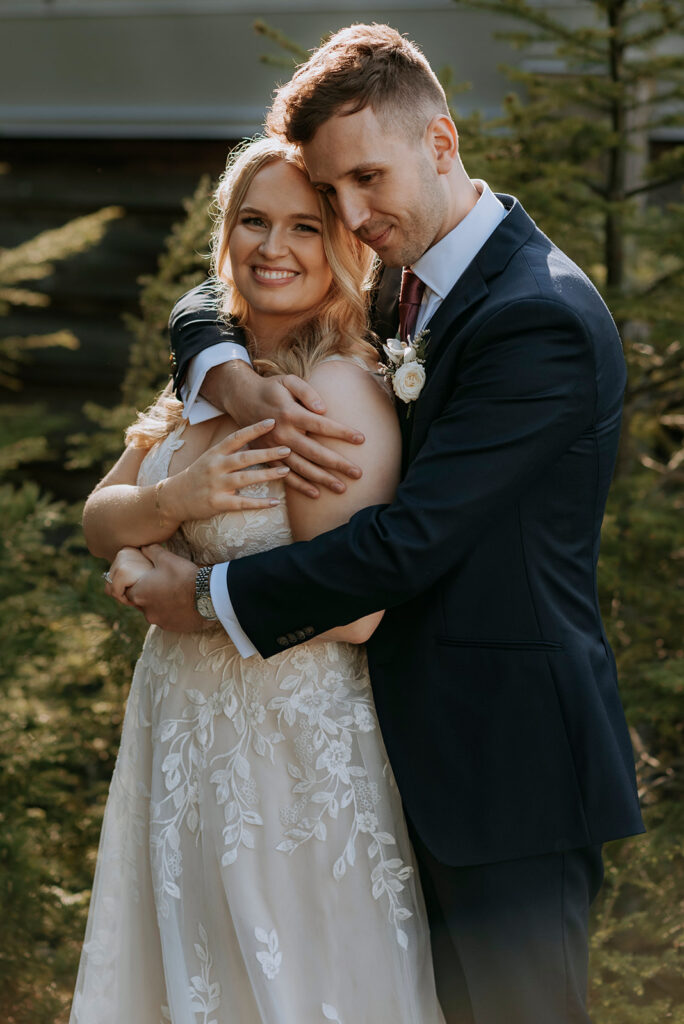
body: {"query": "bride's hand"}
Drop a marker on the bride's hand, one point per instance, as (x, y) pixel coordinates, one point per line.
(127, 568)
(210, 485)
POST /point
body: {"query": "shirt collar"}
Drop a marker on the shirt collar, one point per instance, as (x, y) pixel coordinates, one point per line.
(444, 262)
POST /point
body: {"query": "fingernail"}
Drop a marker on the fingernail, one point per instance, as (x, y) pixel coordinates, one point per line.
(340, 488)
(267, 423)
(284, 451)
(274, 501)
(318, 407)
(358, 439)
(355, 473)
(283, 470)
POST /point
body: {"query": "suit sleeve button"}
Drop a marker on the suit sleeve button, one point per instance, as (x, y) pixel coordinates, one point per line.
(309, 631)
(283, 641)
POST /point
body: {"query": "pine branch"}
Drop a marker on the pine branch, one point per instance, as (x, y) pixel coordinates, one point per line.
(33, 260)
(521, 10)
(20, 297)
(661, 282)
(652, 385)
(656, 99)
(651, 186)
(274, 35)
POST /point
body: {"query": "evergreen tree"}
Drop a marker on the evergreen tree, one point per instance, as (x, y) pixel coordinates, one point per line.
(575, 145)
(56, 750)
(68, 653)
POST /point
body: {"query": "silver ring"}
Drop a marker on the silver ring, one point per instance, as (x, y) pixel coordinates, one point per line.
(107, 577)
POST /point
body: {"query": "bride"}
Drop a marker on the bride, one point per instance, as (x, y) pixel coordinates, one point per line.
(254, 865)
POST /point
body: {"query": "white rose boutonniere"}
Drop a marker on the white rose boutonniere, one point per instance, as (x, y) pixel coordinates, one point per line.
(405, 368)
(408, 381)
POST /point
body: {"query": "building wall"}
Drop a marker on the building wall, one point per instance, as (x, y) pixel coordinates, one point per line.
(183, 69)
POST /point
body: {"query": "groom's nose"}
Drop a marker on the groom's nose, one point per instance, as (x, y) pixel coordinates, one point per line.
(352, 208)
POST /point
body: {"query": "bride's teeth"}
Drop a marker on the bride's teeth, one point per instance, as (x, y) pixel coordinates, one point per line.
(274, 275)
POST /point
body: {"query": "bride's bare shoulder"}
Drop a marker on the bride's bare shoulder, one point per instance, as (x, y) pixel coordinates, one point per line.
(345, 383)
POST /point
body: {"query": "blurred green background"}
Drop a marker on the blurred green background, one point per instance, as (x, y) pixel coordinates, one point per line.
(589, 137)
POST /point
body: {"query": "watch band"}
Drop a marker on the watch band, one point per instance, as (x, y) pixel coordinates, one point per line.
(203, 602)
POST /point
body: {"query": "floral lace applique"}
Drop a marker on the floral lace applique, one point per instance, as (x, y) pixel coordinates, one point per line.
(270, 958)
(162, 660)
(330, 714)
(190, 741)
(205, 995)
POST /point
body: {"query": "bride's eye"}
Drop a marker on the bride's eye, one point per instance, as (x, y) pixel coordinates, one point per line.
(252, 221)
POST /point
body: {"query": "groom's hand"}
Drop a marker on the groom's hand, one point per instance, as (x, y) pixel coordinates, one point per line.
(165, 594)
(299, 414)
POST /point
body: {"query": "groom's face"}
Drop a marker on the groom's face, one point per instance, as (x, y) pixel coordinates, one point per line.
(381, 182)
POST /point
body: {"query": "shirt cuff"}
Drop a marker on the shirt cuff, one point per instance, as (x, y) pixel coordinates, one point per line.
(223, 606)
(198, 369)
(201, 409)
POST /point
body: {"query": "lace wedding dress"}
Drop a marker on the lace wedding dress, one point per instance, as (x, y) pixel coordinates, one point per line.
(254, 866)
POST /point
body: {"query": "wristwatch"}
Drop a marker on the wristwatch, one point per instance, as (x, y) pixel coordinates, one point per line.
(203, 602)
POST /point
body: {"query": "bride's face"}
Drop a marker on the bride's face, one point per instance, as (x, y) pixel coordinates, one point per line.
(276, 250)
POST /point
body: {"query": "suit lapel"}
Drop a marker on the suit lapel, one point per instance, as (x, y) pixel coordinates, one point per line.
(470, 288)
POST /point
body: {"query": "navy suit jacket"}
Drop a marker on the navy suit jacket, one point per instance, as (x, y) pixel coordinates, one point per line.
(493, 679)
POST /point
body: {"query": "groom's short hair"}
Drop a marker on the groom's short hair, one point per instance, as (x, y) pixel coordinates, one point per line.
(359, 66)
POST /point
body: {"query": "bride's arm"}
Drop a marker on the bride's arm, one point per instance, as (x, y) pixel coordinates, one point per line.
(119, 513)
(348, 391)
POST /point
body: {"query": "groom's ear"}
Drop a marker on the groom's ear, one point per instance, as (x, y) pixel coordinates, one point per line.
(442, 139)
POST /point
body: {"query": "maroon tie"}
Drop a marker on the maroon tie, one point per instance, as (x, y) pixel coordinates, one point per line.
(410, 295)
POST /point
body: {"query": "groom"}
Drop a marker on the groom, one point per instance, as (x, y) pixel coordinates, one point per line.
(493, 679)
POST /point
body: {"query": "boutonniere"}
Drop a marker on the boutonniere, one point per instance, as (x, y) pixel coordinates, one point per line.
(405, 368)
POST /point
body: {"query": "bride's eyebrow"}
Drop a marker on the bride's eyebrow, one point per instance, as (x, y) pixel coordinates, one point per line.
(294, 216)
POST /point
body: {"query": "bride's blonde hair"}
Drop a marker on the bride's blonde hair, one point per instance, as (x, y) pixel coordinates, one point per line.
(338, 326)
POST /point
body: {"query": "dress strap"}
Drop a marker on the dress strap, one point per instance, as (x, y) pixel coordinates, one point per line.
(351, 358)
(155, 465)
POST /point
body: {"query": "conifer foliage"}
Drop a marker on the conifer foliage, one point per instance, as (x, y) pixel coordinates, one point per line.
(67, 649)
(34, 261)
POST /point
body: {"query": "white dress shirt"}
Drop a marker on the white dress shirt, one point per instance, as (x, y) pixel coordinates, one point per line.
(196, 408)
(439, 268)
(443, 264)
